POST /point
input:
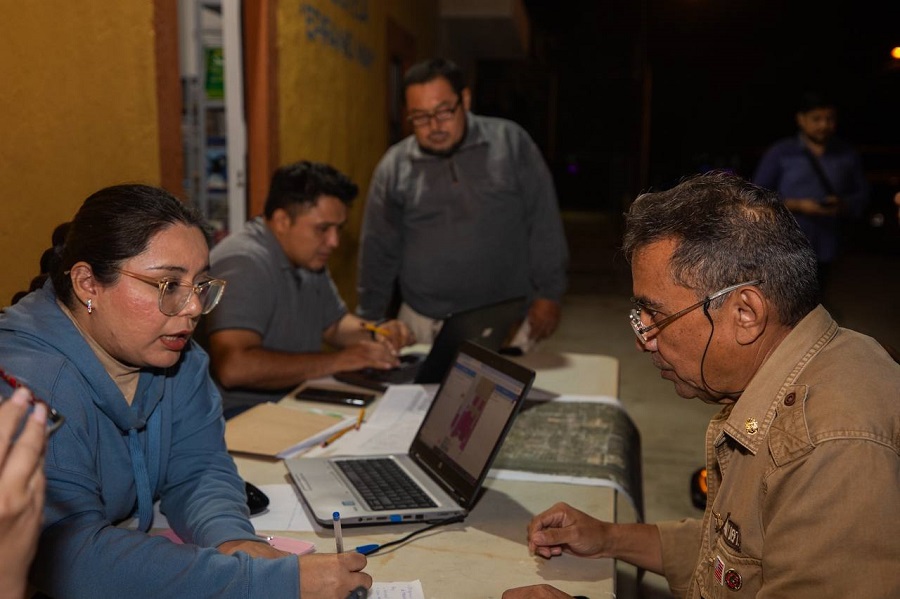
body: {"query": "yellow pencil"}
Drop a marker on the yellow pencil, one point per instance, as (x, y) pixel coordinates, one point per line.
(359, 419)
(373, 328)
(337, 435)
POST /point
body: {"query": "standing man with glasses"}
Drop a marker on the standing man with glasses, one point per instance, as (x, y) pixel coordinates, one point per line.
(803, 459)
(267, 335)
(460, 214)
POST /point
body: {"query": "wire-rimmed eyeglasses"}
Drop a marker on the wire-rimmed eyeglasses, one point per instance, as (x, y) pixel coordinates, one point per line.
(174, 294)
(421, 119)
(641, 330)
(54, 418)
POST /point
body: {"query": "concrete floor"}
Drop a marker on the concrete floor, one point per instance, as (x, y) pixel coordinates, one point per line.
(865, 296)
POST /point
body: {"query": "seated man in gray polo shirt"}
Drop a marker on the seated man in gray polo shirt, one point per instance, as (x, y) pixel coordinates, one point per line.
(266, 335)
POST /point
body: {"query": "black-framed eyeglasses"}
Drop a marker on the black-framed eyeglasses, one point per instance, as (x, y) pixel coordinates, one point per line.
(422, 119)
(174, 295)
(54, 418)
(641, 330)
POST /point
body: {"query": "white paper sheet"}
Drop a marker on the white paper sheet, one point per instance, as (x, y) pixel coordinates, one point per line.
(390, 428)
(285, 511)
(397, 590)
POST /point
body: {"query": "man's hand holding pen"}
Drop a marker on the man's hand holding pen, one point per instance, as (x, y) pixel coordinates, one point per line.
(393, 332)
(332, 575)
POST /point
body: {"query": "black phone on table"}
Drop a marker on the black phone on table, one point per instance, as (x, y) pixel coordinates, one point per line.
(357, 399)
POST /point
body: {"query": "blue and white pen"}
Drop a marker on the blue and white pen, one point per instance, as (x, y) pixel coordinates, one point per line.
(338, 535)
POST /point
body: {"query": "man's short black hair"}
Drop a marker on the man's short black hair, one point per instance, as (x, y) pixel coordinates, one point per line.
(814, 100)
(433, 68)
(297, 186)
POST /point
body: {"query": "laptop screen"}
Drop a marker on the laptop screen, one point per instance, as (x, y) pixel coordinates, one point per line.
(468, 420)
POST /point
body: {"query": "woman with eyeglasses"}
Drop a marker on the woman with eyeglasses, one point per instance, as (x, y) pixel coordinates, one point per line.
(107, 343)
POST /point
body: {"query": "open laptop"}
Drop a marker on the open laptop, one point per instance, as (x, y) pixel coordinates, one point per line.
(451, 454)
(489, 326)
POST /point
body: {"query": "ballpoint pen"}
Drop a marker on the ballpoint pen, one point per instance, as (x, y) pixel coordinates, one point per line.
(338, 535)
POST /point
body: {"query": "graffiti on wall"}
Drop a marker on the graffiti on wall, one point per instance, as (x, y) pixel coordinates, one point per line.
(320, 28)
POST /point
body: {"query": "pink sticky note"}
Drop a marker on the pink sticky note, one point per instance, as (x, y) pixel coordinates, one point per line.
(295, 546)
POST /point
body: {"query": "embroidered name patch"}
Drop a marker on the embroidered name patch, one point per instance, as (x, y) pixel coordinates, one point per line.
(731, 533)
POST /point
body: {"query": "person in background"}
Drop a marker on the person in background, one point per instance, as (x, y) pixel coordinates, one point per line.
(22, 485)
(819, 176)
(107, 341)
(266, 337)
(803, 460)
(460, 214)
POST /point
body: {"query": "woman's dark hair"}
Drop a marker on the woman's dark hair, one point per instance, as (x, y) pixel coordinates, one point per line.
(112, 225)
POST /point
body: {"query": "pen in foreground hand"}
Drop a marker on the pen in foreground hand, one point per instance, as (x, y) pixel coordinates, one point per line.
(338, 535)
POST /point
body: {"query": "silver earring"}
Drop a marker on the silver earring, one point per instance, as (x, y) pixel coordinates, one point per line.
(90, 306)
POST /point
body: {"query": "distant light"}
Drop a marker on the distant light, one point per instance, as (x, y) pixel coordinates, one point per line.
(572, 168)
(896, 53)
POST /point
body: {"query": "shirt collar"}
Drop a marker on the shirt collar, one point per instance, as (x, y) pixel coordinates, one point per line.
(271, 243)
(475, 136)
(753, 413)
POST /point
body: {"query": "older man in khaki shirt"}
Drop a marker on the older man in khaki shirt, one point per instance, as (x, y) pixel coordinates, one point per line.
(804, 458)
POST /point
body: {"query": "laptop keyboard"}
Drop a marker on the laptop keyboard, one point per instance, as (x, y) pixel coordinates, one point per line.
(383, 485)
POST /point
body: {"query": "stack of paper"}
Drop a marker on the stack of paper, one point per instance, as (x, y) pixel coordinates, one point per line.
(277, 431)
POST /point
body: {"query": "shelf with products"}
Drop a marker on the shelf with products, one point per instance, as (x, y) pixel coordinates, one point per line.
(213, 127)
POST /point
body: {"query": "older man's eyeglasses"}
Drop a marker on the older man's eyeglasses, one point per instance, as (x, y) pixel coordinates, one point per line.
(422, 119)
(641, 330)
(54, 418)
(174, 295)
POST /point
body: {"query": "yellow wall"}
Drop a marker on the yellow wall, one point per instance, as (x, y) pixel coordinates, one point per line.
(332, 80)
(78, 106)
(77, 113)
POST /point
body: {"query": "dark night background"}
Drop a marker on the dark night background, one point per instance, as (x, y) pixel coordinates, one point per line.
(707, 84)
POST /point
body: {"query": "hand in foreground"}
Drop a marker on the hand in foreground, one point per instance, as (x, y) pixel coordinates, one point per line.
(563, 529)
(543, 316)
(332, 575)
(399, 335)
(22, 485)
(539, 591)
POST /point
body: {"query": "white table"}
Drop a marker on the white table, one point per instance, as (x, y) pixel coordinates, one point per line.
(487, 553)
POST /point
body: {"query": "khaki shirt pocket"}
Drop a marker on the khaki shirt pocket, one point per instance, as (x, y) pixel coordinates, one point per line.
(726, 574)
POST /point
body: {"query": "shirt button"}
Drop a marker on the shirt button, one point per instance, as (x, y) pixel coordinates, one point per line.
(789, 399)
